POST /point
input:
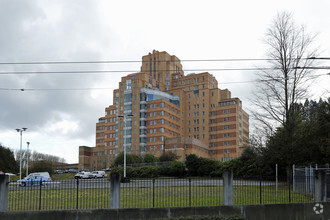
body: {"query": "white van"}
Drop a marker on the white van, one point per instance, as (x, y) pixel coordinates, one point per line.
(97, 174)
(44, 174)
(82, 175)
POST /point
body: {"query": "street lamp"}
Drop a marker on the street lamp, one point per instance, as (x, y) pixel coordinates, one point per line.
(124, 116)
(20, 130)
(27, 159)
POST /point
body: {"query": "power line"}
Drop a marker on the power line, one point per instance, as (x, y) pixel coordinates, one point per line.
(59, 89)
(130, 71)
(147, 61)
(136, 71)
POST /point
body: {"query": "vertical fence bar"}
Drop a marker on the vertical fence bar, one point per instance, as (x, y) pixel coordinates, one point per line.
(311, 178)
(40, 194)
(260, 190)
(77, 192)
(189, 191)
(153, 193)
(289, 188)
(276, 182)
(306, 180)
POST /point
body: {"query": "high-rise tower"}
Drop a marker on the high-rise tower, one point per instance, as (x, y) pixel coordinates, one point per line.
(160, 109)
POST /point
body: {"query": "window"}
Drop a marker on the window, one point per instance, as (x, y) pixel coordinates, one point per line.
(162, 104)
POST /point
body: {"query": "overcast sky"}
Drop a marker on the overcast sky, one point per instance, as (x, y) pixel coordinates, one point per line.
(60, 120)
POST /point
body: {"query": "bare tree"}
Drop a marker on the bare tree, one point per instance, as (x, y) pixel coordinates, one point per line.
(36, 156)
(286, 82)
(288, 79)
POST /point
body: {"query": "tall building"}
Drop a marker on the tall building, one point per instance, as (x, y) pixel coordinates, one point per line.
(161, 110)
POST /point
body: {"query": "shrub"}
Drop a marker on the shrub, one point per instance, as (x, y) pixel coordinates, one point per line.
(130, 159)
(164, 169)
(170, 156)
(206, 166)
(42, 166)
(192, 164)
(148, 172)
(149, 158)
(177, 169)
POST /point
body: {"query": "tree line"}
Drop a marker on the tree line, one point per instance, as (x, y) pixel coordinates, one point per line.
(10, 160)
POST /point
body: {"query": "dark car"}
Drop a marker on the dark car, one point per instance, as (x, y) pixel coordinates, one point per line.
(72, 171)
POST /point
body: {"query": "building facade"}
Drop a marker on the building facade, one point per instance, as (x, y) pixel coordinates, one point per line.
(160, 110)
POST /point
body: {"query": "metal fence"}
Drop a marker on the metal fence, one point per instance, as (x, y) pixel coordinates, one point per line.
(148, 193)
(172, 192)
(267, 190)
(58, 195)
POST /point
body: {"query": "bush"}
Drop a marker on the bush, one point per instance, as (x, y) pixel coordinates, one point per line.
(149, 158)
(192, 164)
(147, 172)
(42, 166)
(130, 159)
(206, 166)
(177, 169)
(170, 156)
(164, 169)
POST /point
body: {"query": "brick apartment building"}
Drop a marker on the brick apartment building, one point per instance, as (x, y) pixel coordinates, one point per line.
(160, 110)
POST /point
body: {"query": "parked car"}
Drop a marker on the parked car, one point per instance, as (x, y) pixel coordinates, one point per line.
(34, 180)
(59, 171)
(97, 174)
(72, 171)
(82, 175)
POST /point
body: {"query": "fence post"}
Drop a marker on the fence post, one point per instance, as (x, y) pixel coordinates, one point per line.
(228, 187)
(294, 177)
(115, 191)
(276, 182)
(4, 180)
(320, 186)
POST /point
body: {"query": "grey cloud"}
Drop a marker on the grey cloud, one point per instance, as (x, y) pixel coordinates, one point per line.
(29, 33)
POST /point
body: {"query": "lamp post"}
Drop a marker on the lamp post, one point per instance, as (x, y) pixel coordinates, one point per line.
(124, 116)
(27, 159)
(20, 130)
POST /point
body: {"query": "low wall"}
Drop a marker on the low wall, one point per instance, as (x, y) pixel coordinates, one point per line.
(303, 211)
